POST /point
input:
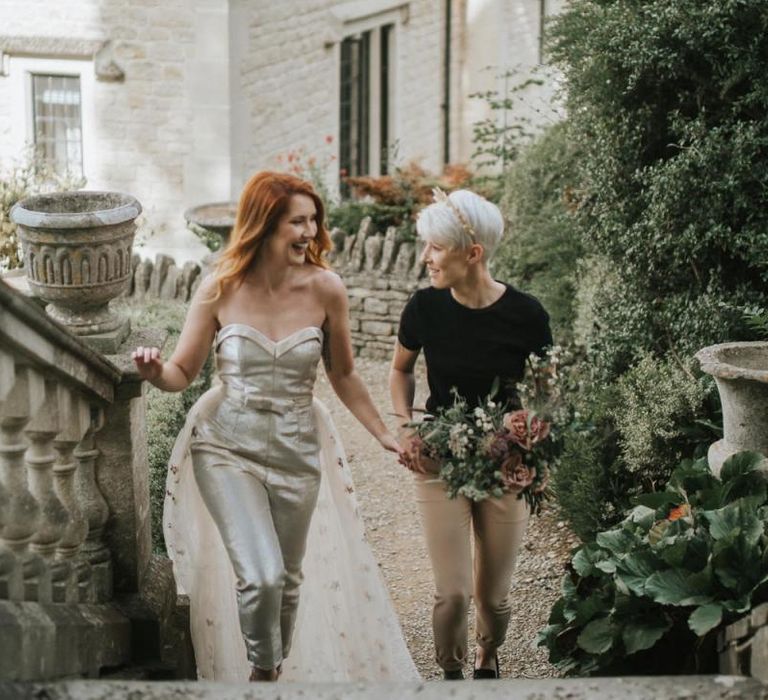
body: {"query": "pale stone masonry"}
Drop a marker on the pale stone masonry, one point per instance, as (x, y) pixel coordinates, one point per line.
(182, 100)
(213, 90)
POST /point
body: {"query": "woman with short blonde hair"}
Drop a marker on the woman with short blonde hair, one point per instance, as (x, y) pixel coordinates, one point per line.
(473, 330)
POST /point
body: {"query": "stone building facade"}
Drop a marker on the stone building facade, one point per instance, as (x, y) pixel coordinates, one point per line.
(178, 101)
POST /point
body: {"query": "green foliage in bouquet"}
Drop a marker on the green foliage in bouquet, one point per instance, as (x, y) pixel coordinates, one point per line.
(683, 563)
(489, 450)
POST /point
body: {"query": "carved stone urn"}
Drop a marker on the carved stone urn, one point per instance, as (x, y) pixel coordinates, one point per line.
(77, 257)
(741, 373)
(212, 222)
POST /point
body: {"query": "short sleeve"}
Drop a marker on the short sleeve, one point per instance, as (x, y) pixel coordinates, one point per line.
(409, 332)
(542, 337)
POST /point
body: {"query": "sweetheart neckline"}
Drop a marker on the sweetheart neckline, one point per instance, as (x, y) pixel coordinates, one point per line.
(266, 337)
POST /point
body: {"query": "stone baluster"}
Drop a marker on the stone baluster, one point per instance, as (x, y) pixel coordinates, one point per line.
(94, 508)
(76, 572)
(40, 456)
(23, 400)
(11, 582)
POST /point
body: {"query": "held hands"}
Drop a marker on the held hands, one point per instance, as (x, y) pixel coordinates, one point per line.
(388, 442)
(412, 455)
(148, 362)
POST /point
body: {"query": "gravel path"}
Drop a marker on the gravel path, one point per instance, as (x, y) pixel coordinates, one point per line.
(386, 499)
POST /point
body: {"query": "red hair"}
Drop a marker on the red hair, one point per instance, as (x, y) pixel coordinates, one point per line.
(263, 202)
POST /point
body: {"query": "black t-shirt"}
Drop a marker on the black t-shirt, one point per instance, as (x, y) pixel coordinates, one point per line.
(468, 348)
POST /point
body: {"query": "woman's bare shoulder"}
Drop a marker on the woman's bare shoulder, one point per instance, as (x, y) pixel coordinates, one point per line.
(206, 290)
(327, 282)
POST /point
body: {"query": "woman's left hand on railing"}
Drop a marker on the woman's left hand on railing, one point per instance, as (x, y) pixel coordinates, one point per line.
(148, 362)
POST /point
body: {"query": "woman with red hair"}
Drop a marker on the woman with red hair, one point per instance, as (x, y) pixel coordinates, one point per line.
(272, 309)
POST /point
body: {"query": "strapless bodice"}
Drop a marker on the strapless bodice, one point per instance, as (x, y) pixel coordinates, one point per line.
(261, 415)
(250, 363)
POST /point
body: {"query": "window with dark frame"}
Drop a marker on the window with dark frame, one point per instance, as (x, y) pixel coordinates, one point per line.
(57, 122)
(358, 70)
(355, 115)
(384, 80)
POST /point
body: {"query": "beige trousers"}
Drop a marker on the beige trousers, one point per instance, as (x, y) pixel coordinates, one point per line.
(498, 525)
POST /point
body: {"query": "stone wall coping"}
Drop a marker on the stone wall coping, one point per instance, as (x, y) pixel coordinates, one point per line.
(25, 327)
(618, 688)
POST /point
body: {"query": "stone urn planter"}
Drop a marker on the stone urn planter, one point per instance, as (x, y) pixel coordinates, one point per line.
(77, 257)
(741, 373)
(212, 222)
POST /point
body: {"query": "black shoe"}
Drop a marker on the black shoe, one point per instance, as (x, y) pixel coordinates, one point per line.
(456, 675)
(484, 674)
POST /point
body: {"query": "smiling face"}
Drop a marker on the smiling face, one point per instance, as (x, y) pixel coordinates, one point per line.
(296, 228)
(446, 266)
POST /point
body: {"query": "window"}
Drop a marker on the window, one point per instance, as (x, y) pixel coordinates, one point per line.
(366, 101)
(52, 111)
(57, 122)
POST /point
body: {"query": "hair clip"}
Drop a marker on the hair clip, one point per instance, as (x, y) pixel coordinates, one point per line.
(441, 197)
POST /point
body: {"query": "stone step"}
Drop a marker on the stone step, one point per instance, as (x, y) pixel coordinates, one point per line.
(629, 688)
(151, 671)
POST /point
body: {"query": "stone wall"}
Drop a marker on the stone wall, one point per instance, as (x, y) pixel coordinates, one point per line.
(209, 91)
(301, 39)
(380, 273)
(139, 136)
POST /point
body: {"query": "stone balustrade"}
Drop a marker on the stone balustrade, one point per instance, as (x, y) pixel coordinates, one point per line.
(74, 526)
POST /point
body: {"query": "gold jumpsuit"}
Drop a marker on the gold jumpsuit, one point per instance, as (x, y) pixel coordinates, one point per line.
(255, 458)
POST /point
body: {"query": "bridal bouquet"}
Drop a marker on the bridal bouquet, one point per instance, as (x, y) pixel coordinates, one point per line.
(488, 451)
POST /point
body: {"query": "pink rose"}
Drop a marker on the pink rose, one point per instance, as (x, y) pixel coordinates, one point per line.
(523, 434)
(498, 448)
(516, 476)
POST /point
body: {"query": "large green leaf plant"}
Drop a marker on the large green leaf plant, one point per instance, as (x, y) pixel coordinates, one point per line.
(650, 595)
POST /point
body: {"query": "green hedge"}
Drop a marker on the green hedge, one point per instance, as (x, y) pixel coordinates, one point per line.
(542, 243)
(667, 104)
(666, 107)
(166, 412)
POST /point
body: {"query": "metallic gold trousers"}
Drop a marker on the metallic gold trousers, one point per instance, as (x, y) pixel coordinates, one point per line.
(498, 526)
(260, 487)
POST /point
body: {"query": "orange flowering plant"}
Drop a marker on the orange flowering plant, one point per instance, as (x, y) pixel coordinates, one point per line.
(491, 449)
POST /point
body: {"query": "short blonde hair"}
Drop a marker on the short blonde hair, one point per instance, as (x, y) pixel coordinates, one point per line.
(477, 221)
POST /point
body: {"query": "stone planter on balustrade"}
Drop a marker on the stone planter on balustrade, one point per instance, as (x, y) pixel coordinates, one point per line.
(212, 223)
(77, 257)
(741, 373)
